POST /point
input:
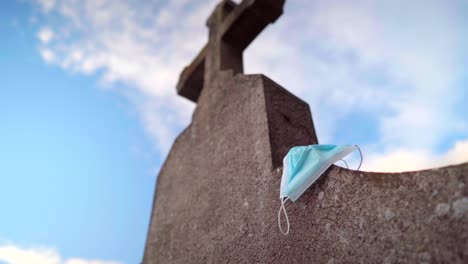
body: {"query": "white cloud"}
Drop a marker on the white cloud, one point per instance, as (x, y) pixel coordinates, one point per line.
(12, 254)
(46, 5)
(81, 261)
(341, 57)
(358, 56)
(408, 160)
(143, 45)
(404, 71)
(45, 35)
(47, 55)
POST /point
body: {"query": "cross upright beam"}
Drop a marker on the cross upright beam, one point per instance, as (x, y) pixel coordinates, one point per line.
(232, 28)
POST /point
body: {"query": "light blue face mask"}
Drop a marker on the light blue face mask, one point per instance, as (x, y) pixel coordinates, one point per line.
(303, 165)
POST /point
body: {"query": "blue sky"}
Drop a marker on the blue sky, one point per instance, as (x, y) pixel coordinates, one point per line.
(77, 169)
(88, 108)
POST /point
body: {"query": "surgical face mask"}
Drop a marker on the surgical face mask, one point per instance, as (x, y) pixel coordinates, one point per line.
(302, 166)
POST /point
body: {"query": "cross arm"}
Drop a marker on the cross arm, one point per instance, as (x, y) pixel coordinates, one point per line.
(246, 21)
(191, 79)
(238, 29)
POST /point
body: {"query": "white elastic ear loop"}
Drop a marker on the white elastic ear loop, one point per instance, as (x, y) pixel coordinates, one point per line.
(283, 208)
(346, 163)
(362, 159)
(360, 163)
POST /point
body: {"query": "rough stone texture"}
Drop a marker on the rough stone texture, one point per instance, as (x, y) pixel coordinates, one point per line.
(215, 185)
(217, 193)
(363, 217)
(191, 79)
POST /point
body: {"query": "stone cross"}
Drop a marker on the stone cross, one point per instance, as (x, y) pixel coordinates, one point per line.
(217, 194)
(232, 28)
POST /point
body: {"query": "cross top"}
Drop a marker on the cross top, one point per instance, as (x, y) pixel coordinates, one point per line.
(232, 27)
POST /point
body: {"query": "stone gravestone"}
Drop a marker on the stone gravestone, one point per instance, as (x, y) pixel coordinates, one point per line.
(217, 193)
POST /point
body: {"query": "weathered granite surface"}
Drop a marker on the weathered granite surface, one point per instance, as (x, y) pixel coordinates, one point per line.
(217, 194)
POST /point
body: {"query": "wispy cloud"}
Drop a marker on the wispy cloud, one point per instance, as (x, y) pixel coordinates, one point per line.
(143, 45)
(45, 35)
(81, 261)
(404, 159)
(47, 55)
(401, 65)
(46, 5)
(12, 254)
